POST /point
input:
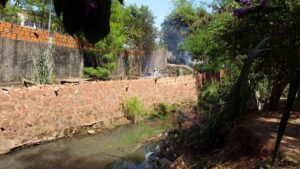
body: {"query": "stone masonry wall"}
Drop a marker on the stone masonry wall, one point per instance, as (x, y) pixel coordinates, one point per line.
(42, 113)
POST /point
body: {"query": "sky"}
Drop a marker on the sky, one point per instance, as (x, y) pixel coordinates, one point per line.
(160, 8)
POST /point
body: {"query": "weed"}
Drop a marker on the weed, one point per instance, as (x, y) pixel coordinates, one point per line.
(165, 109)
(43, 67)
(135, 110)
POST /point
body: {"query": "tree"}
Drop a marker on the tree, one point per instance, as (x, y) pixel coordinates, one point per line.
(10, 13)
(132, 26)
(37, 11)
(140, 28)
(280, 22)
(205, 44)
(176, 27)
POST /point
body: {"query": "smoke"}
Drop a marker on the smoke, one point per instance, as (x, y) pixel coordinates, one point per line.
(173, 37)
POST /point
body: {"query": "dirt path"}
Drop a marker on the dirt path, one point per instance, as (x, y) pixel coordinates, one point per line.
(265, 125)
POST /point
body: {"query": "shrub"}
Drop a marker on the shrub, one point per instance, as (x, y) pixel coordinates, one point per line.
(208, 94)
(165, 109)
(101, 65)
(96, 73)
(135, 110)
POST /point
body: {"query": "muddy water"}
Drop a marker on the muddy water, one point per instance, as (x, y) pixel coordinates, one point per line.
(123, 147)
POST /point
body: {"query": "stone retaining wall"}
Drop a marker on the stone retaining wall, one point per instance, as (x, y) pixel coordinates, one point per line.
(42, 113)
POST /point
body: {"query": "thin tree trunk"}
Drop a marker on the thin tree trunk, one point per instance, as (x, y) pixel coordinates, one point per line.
(34, 18)
(276, 93)
(42, 20)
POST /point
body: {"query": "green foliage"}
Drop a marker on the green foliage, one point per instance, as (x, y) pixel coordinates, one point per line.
(205, 44)
(139, 27)
(35, 11)
(208, 96)
(128, 26)
(135, 111)
(165, 109)
(103, 64)
(179, 72)
(279, 21)
(10, 13)
(96, 73)
(230, 107)
(113, 43)
(105, 51)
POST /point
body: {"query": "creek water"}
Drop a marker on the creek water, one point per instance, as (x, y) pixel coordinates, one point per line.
(122, 147)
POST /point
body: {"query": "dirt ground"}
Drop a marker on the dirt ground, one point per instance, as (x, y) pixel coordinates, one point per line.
(265, 126)
(258, 133)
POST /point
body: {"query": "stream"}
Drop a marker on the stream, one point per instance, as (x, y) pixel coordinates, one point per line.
(122, 147)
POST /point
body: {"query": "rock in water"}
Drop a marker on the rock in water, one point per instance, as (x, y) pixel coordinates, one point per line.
(91, 132)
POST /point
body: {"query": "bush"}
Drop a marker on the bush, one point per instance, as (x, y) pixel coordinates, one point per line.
(98, 73)
(213, 96)
(165, 109)
(135, 110)
(208, 97)
(101, 65)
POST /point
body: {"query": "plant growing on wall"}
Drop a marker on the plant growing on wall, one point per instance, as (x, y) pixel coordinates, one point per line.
(43, 67)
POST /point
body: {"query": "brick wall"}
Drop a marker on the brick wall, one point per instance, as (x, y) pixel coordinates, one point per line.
(16, 32)
(31, 115)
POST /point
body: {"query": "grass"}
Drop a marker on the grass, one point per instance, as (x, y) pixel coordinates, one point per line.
(136, 112)
(165, 108)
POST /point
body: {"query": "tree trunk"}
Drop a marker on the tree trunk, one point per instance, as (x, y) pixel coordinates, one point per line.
(276, 93)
